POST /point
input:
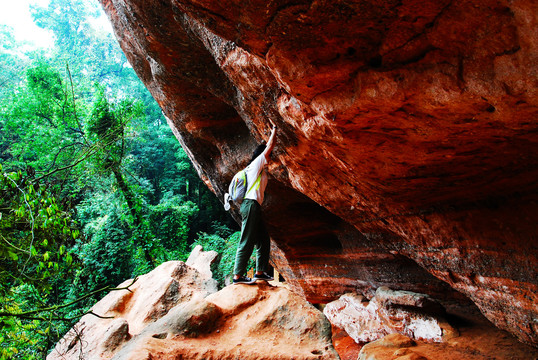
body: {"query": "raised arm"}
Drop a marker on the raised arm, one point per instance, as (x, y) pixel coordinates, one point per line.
(270, 142)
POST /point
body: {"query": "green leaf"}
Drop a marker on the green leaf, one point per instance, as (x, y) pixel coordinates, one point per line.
(68, 259)
(13, 256)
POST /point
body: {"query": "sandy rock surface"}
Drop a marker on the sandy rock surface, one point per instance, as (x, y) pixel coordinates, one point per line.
(239, 322)
(203, 261)
(174, 312)
(147, 300)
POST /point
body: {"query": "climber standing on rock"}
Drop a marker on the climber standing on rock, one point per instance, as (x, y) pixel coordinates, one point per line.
(253, 230)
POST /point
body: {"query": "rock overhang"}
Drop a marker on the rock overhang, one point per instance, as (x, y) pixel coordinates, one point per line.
(407, 147)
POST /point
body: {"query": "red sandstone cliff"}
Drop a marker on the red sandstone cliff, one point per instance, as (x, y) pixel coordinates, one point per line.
(407, 151)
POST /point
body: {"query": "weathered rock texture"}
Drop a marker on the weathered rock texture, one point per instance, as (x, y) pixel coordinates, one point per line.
(203, 261)
(169, 315)
(407, 149)
(479, 344)
(128, 312)
(388, 312)
(393, 346)
(239, 322)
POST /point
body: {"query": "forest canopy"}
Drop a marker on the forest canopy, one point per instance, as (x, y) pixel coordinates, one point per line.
(94, 187)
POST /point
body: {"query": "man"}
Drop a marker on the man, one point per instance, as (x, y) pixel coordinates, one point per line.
(253, 230)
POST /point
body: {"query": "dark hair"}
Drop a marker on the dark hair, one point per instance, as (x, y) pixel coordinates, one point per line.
(257, 152)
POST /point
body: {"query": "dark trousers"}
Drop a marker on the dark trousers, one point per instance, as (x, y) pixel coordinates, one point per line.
(253, 233)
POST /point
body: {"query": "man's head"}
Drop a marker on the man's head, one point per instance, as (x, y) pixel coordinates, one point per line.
(258, 151)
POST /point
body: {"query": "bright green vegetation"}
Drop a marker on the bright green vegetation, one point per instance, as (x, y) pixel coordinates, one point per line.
(94, 188)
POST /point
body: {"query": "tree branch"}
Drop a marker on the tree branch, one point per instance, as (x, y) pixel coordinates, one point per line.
(13, 246)
(90, 152)
(74, 105)
(59, 152)
(43, 116)
(30, 314)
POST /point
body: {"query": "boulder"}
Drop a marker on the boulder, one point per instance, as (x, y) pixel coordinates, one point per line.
(414, 315)
(122, 314)
(247, 322)
(203, 261)
(170, 313)
(390, 347)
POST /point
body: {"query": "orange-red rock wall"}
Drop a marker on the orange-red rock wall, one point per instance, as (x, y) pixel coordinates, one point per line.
(407, 150)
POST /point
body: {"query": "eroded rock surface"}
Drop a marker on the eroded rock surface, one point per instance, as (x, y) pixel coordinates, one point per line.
(125, 313)
(407, 151)
(393, 346)
(258, 322)
(388, 312)
(203, 261)
(171, 313)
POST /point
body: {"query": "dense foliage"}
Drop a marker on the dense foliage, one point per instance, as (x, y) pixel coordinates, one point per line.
(94, 188)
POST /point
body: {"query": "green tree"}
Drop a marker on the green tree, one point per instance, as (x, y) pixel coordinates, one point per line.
(171, 221)
(93, 55)
(34, 233)
(12, 62)
(108, 123)
(94, 188)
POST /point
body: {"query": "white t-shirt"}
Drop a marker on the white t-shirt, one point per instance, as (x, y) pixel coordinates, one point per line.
(256, 179)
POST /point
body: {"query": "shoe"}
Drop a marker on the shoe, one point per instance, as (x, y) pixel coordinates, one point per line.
(263, 276)
(244, 280)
